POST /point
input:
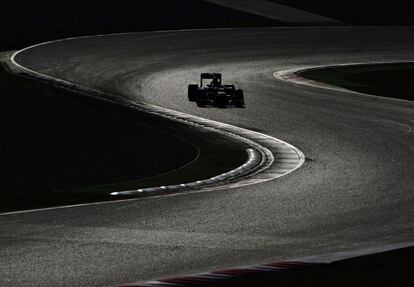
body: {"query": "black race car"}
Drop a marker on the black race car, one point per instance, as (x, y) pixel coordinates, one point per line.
(212, 93)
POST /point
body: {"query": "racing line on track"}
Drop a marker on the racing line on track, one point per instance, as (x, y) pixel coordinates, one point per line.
(269, 157)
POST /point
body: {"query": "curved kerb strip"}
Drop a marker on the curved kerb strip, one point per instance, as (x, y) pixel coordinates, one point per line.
(271, 272)
(269, 158)
(294, 76)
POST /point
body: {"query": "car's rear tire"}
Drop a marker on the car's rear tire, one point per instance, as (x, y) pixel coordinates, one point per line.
(239, 99)
(192, 92)
(200, 100)
(201, 104)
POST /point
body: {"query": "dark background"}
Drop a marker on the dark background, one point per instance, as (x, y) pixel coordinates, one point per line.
(359, 12)
(26, 22)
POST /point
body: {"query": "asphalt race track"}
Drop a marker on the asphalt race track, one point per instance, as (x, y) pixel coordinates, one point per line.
(355, 190)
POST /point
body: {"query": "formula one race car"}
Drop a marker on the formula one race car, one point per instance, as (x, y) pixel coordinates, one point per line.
(212, 93)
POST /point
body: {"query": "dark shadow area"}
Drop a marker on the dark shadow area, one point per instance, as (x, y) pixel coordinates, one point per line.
(52, 142)
(357, 12)
(27, 22)
(386, 80)
(56, 144)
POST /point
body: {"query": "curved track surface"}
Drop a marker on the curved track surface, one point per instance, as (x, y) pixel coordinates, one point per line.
(355, 190)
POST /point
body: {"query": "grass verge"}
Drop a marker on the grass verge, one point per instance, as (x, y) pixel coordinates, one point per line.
(394, 80)
(60, 147)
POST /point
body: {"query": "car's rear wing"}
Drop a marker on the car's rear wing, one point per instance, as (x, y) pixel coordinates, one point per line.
(210, 76)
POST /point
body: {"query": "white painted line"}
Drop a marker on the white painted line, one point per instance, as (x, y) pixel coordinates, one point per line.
(65, 206)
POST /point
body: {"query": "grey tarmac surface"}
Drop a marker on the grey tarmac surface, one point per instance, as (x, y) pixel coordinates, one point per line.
(354, 191)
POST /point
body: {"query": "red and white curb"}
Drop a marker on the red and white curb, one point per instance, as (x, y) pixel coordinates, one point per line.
(292, 76)
(271, 271)
(227, 277)
(269, 158)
